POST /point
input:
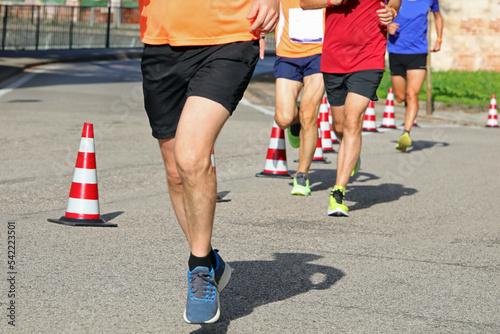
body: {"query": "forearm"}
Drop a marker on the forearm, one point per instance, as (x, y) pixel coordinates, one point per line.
(396, 4)
(438, 20)
(316, 4)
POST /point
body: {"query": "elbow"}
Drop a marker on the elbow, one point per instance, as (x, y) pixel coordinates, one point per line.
(304, 5)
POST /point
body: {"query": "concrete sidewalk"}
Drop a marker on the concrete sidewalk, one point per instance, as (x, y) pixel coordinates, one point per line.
(15, 62)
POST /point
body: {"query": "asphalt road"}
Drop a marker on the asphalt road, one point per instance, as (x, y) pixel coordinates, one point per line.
(420, 252)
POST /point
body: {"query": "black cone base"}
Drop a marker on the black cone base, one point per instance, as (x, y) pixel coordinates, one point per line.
(264, 174)
(82, 222)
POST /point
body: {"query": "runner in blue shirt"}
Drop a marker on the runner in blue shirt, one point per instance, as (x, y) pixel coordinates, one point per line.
(407, 47)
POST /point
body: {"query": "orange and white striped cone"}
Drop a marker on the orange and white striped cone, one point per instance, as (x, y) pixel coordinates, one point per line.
(369, 124)
(389, 120)
(219, 198)
(326, 137)
(492, 113)
(83, 201)
(318, 152)
(275, 165)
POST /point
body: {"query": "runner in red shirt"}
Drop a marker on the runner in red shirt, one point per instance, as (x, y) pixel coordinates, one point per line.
(352, 64)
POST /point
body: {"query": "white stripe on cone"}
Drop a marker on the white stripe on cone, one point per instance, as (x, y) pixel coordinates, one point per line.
(82, 175)
(82, 206)
(87, 145)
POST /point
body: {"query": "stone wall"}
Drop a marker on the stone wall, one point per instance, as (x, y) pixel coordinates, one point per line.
(471, 37)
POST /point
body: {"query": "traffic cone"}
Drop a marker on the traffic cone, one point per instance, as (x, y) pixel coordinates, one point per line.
(330, 120)
(492, 113)
(318, 152)
(275, 165)
(325, 129)
(219, 197)
(369, 124)
(83, 201)
(389, 120)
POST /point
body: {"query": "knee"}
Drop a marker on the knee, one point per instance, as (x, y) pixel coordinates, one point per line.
(191, 166)
(173, 177)
(309, 118)
(412, 95)
(282, 120)
(400, 98)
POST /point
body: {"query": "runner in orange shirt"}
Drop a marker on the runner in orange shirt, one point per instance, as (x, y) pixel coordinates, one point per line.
(299, 39)
(197, 61)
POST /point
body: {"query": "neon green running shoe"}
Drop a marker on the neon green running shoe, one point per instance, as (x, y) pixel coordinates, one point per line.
(356, 166)
(293, 135)
(404, 142)
(337, 206)
(301, 185)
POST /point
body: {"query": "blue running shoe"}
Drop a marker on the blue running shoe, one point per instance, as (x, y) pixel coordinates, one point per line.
(222, 271)
(202, 305)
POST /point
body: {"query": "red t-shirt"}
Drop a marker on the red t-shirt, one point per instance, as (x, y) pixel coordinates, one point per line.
(355, 40)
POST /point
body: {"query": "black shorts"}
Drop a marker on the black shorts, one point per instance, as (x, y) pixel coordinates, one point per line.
(364, 83)
(400, 63)
(170, 74)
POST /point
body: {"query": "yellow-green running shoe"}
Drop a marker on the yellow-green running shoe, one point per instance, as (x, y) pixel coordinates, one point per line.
(301, 185)
(356, 166)
(337, 206)
(404, 142)
(293, 135)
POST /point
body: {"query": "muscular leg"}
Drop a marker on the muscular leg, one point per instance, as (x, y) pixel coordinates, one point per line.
(415, 79)
(399, 88)
(351, 117)
(287, 92)
(314, 89)
(190, 177)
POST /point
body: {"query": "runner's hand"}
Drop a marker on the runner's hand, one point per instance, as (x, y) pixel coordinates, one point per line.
(392, 28)
(263, 15)
(437, 47)
(385, 15)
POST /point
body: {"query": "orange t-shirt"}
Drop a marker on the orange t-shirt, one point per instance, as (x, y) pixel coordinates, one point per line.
(299, 33)
(194, 22)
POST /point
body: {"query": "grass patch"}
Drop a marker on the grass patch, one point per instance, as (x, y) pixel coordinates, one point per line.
(469, 88)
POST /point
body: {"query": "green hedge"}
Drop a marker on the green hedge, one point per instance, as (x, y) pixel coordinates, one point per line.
(469, 88)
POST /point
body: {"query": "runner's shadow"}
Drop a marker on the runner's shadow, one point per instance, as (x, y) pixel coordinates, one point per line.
(257, 283)
(419, 145)
(367, 196)
(323, 179)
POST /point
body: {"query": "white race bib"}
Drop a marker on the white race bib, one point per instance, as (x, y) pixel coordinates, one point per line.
(306, 26)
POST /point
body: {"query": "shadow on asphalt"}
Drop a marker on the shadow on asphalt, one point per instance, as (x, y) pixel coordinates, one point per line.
(363, 196)
(367, 196)
(112, 215)
(257, 283)
(419, 145)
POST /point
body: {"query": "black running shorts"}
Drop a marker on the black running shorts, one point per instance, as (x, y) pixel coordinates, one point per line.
(170, 74)
(400, 63)
(364, 83)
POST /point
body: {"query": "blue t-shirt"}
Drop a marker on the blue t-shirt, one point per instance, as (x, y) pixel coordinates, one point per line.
(411, 37)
